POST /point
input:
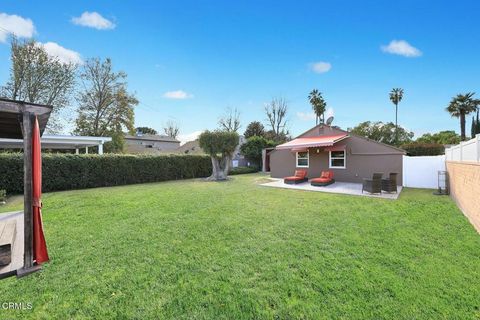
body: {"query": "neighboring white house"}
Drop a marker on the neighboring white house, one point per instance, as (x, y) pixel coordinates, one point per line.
(59, 142)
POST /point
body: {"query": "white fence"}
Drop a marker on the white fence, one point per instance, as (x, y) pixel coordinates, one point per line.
(465, 151)
(422, 172)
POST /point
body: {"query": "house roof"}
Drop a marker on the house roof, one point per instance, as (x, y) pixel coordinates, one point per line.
(152, 137)
(190, 147)
(353, 135)
(317, 141)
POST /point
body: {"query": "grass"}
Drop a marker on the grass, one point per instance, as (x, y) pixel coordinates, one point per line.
(237, 250)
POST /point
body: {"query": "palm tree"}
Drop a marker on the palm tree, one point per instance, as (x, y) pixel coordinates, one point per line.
(396, 96)
(319, 105)
(460, 106)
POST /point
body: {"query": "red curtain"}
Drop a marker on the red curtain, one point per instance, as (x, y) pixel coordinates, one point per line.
(40, 253)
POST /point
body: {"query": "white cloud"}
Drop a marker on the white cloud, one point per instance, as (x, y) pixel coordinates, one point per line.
(320, 67)
(64, 55)
(93, 20)
(184, 138)
(178, 94)
(402, 48)
(306, 116)
(21, 27)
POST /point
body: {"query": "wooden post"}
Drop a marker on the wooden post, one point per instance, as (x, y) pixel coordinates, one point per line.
(27, 128)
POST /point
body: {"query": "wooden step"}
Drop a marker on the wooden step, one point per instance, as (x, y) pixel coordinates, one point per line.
(7, 238)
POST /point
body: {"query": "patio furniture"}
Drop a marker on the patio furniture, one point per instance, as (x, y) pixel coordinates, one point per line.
(390, 184)
(373, 185)
(299, 177)
(326, 178)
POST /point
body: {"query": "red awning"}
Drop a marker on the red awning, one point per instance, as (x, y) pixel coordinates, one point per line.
(40, 253)
(309, 142)
(299, 149)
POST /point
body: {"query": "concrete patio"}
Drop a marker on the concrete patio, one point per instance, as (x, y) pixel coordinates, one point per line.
(337, 187)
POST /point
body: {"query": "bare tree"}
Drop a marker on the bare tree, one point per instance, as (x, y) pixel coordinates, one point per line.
(230, 121)
(276, 112)
(171, 129)
(37, 77)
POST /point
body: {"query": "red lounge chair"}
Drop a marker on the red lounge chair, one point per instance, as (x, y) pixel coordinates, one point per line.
(299, 177)
(325, 179)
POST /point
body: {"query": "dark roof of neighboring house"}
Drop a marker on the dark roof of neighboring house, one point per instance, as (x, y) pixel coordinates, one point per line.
(190, 147)
(151, 137)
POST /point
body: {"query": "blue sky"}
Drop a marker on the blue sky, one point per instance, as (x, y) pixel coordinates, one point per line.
(220, 54)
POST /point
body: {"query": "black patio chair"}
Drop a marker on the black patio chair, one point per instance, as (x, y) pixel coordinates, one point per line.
(390, 184)
(373, 185)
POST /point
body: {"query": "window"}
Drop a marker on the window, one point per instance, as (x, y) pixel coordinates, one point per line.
(338, 159)
(302, 159)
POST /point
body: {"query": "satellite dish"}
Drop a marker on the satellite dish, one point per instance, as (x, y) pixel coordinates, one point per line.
(329, 121)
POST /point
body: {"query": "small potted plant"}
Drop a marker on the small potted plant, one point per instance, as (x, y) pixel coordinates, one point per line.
(3, 196)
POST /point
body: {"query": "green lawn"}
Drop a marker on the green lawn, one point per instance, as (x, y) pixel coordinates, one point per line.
(237, 250)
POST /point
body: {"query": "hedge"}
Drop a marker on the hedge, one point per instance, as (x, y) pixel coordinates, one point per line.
(69, 171)
(242, 170)
(424, 149)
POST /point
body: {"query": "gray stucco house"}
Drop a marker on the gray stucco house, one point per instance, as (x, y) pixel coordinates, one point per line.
(350, 157)
(149, 143)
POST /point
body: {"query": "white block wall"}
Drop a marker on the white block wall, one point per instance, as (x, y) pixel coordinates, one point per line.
(422, 172)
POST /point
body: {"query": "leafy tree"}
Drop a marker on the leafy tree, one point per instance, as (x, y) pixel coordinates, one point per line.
(254, 128)
(396, 96)
(277, 138)
(319, 105)
(171, 129)
(387, 133)
(37, 77)
(252, 149)
(230, 121)
(105, 106)
(146, 130)
(220, 145)
(460, 106)
(423, 149)
(442, 137)
(276, 112)
(475, 125)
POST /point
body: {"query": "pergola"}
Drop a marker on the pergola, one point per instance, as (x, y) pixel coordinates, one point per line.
(60, 142)
(17, 121)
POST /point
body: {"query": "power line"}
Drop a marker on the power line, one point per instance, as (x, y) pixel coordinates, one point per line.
(8, 31)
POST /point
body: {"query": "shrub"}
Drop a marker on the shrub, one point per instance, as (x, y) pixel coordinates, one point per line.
(68, 171)
(252, 149)
(242, 170)
(424, 149)
(3, 196)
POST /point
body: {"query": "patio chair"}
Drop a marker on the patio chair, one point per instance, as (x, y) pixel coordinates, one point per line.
(326, 178)
(299, 177)
(390, 184)
(373, 185)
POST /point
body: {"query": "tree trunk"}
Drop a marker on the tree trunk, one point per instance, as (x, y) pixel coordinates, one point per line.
(462, 126)
(396, 123)
(218, 170)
